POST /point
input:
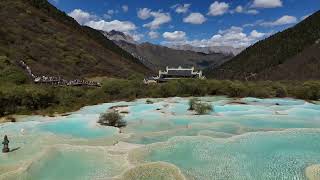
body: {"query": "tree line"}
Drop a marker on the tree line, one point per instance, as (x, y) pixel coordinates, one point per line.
(42, 99)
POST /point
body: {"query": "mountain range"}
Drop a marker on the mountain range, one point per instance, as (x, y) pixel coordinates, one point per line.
(54, 44)
(157, 57)
(210, 49)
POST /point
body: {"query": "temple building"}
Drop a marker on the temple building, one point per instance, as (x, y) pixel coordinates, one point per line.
(175, 73)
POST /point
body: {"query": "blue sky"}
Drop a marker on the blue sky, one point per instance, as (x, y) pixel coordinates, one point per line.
(234, 23)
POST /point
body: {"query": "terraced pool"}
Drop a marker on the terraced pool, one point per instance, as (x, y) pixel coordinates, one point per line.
(243, 139)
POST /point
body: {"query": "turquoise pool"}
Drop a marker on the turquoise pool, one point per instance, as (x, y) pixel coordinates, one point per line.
(243, 139)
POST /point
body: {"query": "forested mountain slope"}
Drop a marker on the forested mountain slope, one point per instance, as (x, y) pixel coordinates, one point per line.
(293, 54)
(52, 43)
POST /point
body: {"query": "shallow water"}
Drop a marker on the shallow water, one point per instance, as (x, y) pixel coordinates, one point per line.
(258, 139)
(274, 155)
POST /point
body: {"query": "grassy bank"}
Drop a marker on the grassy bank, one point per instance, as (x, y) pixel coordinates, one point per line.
(41, 99)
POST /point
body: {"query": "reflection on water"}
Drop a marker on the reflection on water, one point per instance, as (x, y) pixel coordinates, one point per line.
(243, 139)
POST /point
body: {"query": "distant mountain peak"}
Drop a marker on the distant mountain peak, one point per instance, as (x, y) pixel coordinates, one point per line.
(228, 50)
(119, 36)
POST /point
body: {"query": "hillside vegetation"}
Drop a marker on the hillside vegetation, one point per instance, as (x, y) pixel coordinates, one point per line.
(52, 43)
(41, 99)
(293, 54)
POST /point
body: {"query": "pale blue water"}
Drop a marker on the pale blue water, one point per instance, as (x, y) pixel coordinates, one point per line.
(74, 163)
(263, 139)
(275, 155)
(77, 126)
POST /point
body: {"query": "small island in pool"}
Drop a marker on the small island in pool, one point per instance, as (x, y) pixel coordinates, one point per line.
(245, 138)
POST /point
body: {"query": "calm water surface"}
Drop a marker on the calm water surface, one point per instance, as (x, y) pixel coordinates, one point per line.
(260, 139)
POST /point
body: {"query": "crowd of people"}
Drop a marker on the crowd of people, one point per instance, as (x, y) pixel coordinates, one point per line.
(54, 80)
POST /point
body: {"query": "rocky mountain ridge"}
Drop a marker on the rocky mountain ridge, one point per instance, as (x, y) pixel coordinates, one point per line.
(157, 57)
(210, 49)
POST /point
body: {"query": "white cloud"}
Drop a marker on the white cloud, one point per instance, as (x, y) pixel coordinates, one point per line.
(232, 37)
(174, 36)
(125, 8)
(239, 9)
(252, 11)
(81, 16)
(122, 26)
(195, 18)
(153, 35)
(217, 8)
(249, 25)
(87, 19)
(107, 16)
(267, 3)
(235, 37)
(144, 13)
(181, 8)
(256, 23)
(284, 20)
(256, 34)
(159, 18)
(111, 11)
(137, 37)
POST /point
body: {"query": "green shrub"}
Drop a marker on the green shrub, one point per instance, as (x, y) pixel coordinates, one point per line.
(215, 87)
(281, 92)
(2, 104)
(169, 89)
(27, 98)
(203, 108)
(309, 90)
(237, 89)
(192, 103)
(121, 89)
(148, 101)
(259, 92)
(112, 119)
(10, 73)
(67, 96)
